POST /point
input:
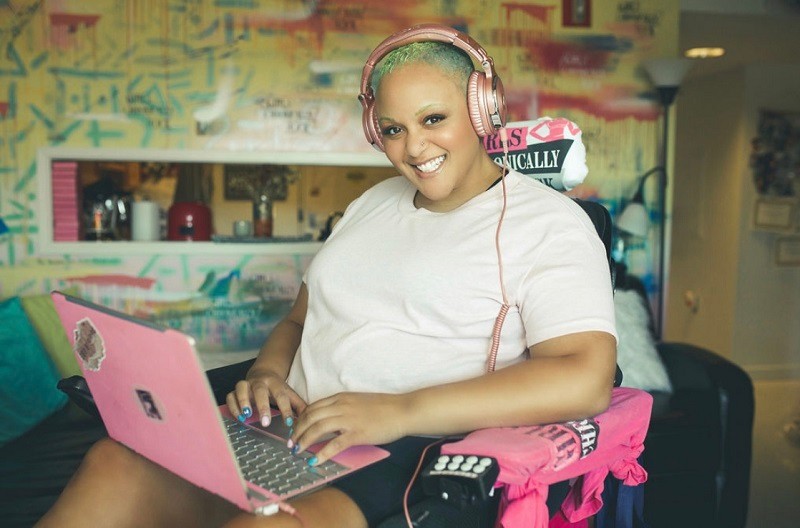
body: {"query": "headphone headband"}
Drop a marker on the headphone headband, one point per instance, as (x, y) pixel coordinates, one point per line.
(425, 33)
(485, 95)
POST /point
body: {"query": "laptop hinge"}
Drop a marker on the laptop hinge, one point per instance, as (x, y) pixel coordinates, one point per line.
(254, 495)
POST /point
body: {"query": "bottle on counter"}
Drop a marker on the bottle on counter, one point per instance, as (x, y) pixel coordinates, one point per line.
(262, 216)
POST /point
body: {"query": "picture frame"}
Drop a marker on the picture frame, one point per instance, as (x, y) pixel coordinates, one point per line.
(773, 159)
(576, 13)
(242, 182)
(775, 214)
(787, 251)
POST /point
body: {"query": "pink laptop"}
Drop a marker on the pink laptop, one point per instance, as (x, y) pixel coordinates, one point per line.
(154, 397)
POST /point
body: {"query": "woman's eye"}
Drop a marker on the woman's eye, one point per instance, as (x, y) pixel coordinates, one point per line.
(433, 119)
(390, 130)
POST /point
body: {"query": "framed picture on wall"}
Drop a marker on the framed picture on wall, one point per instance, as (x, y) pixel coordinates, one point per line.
(774, 156)
(576, 13)
(247, 182)
(775, 214)
(787, 251)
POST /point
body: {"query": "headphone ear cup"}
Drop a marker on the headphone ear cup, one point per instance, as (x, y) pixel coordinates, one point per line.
(369, 122)
(477, 104)
(375, 130)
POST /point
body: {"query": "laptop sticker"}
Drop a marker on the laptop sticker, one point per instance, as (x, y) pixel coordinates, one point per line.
(151, 409)
(89, 345)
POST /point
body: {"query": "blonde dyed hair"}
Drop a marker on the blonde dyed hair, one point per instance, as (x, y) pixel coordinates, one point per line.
(448, 58)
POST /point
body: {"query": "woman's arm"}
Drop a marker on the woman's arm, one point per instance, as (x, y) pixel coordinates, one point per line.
(277, 352)
(568, 377)
(267, 377)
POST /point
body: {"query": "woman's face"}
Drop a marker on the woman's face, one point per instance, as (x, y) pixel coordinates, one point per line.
(427, 135)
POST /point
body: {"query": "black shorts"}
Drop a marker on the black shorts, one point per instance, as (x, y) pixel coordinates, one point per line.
(379, 488)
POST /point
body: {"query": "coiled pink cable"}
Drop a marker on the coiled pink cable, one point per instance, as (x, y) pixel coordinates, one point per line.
(501, 317)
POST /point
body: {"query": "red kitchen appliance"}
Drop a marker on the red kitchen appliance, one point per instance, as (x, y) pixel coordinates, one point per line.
(189, 221)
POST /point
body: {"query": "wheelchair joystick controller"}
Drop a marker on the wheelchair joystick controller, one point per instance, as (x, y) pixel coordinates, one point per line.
(462, 480)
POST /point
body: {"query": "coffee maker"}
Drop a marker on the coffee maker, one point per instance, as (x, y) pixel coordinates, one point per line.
(189, 221)
(106, 211)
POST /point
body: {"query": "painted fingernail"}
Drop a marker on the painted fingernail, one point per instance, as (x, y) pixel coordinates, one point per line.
(290, 444)
(289, 421)
(312, 461)
(247, 412)
(295, 449)
(242, 417)
(265, 420)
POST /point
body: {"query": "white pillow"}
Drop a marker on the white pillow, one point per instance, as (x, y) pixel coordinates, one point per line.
(636, 352)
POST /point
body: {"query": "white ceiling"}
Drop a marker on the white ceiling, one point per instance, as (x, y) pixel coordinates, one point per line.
(751, 31)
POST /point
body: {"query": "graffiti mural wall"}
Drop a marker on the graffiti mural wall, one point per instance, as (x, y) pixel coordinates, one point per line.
(280, 75)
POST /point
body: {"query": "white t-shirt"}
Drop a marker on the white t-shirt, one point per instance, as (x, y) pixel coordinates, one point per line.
(401, 298)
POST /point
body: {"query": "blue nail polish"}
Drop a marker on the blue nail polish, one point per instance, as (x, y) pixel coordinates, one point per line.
(242, 417)
(295, 449)
(247, 412)
(289, 421)
(312, 461)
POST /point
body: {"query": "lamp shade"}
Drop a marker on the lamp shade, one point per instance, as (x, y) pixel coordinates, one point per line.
(634, 220)
(667, 72)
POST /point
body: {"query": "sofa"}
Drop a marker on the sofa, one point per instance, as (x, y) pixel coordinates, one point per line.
(697, 451)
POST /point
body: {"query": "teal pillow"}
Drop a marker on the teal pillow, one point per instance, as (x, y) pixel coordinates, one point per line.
(28, 392)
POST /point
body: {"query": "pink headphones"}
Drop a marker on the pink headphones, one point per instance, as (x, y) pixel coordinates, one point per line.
(485, 96)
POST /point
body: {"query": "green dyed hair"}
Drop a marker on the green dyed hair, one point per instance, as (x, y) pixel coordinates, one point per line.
(450, 59)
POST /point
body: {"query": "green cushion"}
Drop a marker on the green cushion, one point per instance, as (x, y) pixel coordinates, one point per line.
(44, 318)
(28, 392)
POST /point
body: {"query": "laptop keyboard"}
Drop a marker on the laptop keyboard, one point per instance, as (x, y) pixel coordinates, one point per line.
(268, 463)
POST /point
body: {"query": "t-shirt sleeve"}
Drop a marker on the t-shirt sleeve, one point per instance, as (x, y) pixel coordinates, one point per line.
(568, 288)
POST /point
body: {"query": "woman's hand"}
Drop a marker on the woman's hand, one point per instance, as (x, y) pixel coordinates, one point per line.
(259, 388)
(354, 419)
(266, 379)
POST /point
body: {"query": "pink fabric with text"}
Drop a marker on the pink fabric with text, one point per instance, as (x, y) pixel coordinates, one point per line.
(533, 457)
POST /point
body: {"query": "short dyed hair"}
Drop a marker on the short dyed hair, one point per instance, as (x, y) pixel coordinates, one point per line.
(447, 57)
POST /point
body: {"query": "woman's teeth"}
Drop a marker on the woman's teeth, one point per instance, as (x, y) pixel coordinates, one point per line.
(432, 165)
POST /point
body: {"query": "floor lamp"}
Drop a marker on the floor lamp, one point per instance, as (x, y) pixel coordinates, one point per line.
(666, 75)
